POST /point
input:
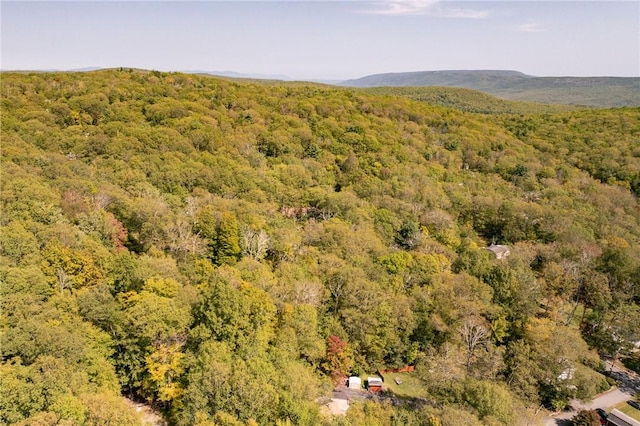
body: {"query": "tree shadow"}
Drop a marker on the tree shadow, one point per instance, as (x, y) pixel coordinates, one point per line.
(627, 382)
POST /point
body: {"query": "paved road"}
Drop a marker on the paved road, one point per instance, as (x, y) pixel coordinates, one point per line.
(629, 385)
(351, 394)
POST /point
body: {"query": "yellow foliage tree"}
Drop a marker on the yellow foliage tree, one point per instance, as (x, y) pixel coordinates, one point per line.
(69, 268)
(164, 366)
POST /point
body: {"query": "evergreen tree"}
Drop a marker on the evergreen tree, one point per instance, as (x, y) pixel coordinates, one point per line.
(226, 248)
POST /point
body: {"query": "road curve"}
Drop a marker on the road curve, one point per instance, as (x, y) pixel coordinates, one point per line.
(629, 385)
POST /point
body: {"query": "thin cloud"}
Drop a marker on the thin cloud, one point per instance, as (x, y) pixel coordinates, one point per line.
(403, 7)
(530, 27)
(424, 7)
(464, 13)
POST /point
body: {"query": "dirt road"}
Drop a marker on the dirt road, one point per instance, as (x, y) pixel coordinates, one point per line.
(147, 414)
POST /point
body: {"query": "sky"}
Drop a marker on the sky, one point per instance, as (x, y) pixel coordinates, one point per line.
(325, 40)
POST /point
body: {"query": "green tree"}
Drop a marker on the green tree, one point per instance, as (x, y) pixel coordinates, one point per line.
(237, 313)
(151, 330)
(107, 410)
(614, 332)
(226, 247)
(586, 418)
(94, 104)
(490, 400)
(409, 235)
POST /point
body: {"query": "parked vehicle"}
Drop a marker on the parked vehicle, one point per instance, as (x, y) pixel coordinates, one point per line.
(634, 404)
(603, 416)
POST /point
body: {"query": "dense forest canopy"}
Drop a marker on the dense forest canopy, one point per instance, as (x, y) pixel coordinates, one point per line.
(469, 100)
(230, 250)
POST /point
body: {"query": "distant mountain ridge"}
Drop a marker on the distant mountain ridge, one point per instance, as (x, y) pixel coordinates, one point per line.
(515, 85)
(469, 79)
(234, 74)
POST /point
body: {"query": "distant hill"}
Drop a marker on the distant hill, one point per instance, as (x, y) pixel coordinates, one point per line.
(478, 80)
(468, 100)
(514, 85)
(234, 74)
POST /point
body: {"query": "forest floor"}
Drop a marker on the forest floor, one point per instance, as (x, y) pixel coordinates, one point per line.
(336, 407)
(148, 415)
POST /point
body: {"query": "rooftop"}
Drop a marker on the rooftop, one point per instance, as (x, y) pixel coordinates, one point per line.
(618, 418)
(374, 381)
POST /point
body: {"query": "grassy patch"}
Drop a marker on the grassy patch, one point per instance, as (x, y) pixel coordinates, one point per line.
(411, 385)
(628, 410)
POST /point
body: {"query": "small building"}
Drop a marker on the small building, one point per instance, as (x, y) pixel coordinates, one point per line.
(618, 418)
(500, 251)
(374, 384)
(355, 382)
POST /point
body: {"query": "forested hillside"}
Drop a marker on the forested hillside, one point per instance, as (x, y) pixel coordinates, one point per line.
(228, 251)
(468, 100)
(603, 92)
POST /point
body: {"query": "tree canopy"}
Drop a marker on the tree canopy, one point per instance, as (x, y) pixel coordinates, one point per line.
(229, 250)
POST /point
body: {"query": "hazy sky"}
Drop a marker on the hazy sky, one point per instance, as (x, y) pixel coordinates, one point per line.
(325, 39)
